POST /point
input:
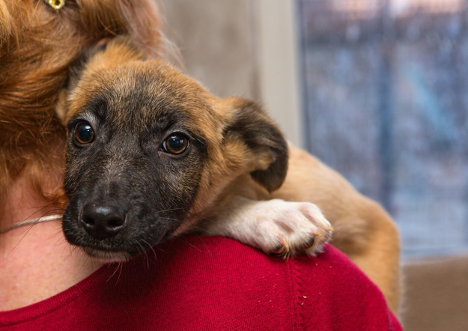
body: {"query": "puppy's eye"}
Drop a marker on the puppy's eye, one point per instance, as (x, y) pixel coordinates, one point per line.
(176, 143)
(84, 133)
(56, 4)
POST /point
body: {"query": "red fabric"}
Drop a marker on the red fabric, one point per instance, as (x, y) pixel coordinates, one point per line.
(214, 283)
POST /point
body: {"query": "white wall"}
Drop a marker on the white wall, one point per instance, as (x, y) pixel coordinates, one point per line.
(241, 47)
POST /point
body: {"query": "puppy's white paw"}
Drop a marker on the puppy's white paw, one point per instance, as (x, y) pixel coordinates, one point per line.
(276, 226)
(287, 228)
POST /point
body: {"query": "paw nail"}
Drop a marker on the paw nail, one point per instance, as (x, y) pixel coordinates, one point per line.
(278, 250)
(308, 244)
(282, 251)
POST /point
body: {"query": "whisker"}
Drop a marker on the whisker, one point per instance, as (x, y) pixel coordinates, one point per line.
(40, 208)
(151, 247)
(120, 267)
(84, 263)
(117, 268)
(201, 239)
(143, 251)
(56, 234)
(186, 242)
(162, 211)
(34, 222)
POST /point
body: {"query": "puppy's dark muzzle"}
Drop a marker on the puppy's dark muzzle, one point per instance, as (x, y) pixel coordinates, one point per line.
(101, 221)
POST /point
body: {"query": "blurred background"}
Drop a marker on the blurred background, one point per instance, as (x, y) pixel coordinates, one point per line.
(378, 90)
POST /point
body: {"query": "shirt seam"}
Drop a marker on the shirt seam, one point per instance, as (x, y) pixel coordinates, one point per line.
(296, 295)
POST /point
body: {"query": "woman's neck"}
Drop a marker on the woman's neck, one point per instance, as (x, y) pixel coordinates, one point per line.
(36, 261)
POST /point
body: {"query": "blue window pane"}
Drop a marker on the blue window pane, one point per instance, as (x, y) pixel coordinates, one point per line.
(386, 103)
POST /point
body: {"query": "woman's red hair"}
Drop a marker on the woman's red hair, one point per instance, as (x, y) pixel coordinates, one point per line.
(37, 45)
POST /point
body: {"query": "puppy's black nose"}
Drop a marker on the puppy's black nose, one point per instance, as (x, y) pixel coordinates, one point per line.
(103, 222)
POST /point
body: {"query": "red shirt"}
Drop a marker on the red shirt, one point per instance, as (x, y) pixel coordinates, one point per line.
(214, 283)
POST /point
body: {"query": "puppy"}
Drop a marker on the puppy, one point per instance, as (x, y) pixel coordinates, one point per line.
(151, 155)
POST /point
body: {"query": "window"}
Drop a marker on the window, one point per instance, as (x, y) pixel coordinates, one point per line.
(386, 104)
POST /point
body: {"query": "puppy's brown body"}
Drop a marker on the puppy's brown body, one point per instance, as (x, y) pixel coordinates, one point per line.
(238, 156)
(362, 228)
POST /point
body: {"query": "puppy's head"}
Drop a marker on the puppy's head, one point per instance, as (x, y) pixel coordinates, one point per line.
(150, 151)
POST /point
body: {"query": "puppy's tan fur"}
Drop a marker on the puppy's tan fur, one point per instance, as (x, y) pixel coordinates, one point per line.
(363, 230)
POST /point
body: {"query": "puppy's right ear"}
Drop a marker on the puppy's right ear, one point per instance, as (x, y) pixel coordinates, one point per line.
(264, 140)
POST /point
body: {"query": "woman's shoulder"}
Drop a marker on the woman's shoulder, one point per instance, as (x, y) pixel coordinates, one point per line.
(214, 283)
(225, 282)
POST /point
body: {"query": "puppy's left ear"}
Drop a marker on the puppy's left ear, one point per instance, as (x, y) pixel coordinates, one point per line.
(107, 53)
(264, 139)
(74, 74)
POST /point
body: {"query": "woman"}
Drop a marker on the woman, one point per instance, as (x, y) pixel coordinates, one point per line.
(39, 39)
(209, 283)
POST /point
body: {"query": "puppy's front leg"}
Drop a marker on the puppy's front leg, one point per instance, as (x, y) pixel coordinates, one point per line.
(276, 226)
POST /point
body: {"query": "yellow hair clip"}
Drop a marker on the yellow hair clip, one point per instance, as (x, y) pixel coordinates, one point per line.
(56, 4)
